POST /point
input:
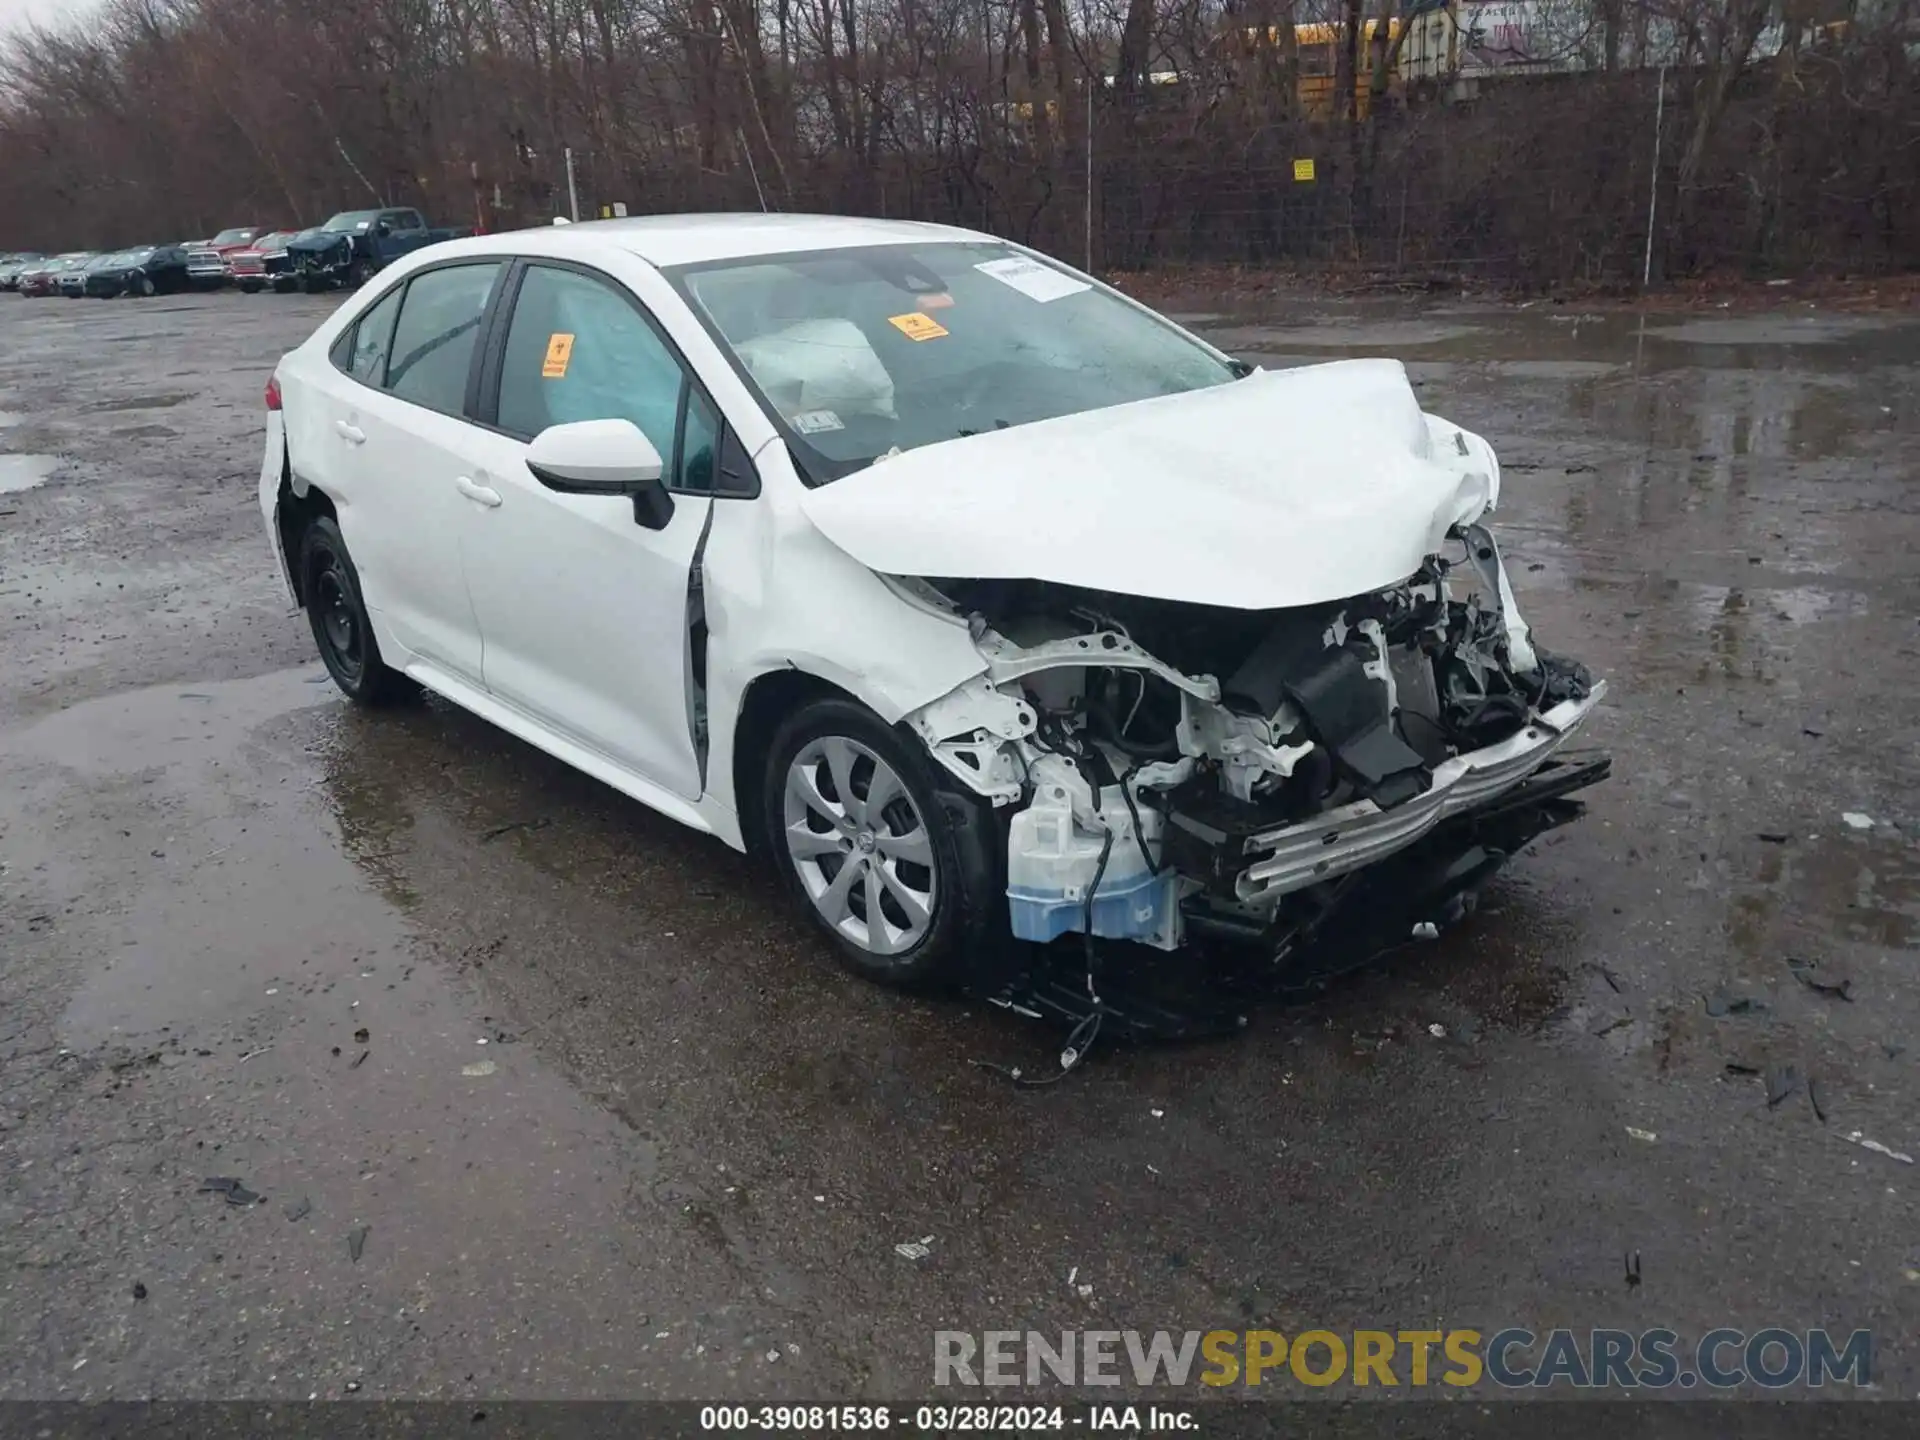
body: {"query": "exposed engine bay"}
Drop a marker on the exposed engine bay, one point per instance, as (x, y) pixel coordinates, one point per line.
(1172, 768)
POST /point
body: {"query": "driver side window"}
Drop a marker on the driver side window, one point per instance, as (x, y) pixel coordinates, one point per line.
(577, 351)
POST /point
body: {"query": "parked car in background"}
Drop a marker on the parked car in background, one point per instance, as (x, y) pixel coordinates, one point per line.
(44, 278)
(1140, 627)
(143, 270)
(72, 279)
(12, 265)
(264, 262)
(353, 246)
(103, 276)
(36, 276)
(207, 259)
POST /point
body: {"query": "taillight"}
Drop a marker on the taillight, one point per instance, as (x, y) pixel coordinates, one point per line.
(273, 392)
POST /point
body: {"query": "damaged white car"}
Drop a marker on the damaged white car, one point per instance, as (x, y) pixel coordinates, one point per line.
(987, 602)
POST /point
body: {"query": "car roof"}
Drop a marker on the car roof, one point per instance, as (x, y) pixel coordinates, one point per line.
(685, 239)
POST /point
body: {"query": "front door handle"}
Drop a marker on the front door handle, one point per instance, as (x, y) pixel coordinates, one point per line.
(351, 433)
(479, 494)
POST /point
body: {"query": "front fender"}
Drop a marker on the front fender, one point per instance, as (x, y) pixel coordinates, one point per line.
(780, 597)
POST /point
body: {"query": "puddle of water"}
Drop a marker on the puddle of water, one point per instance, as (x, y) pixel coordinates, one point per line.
(23, 472)
(1771, 329)
(144, 402)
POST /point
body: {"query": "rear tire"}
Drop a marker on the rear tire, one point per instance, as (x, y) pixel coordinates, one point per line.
(922, 857)
(338, 617)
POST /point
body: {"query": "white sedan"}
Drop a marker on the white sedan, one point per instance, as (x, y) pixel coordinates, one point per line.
(985, 601)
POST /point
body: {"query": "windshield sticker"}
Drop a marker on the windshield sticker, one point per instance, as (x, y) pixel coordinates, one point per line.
(813, 422)
(937, 300)
(916, 326)
(1032, 279)
(559, 352)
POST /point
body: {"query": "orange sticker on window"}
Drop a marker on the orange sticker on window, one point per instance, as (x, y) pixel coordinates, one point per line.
(934, 300)
(917, 326)
(559, 352)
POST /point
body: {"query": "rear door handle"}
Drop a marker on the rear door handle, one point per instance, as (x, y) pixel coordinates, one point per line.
(351, 433)
(479, 494)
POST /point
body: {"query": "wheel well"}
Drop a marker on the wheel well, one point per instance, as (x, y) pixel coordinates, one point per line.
(293, 513)
(769, 700)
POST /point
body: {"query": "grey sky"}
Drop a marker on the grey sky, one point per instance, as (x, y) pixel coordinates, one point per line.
(15, 13)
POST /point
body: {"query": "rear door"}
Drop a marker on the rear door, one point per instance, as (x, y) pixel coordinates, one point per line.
(387, 443)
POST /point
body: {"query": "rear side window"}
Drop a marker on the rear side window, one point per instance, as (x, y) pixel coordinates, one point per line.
(434, 340)
(362, 350)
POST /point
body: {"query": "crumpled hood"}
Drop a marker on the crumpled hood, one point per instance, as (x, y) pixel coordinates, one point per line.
(1286, 488)
(315, 242)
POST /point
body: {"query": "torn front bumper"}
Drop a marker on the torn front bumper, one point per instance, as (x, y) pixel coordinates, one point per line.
(1264, 866)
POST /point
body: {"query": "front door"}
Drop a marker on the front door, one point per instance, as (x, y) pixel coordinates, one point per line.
(582, 610)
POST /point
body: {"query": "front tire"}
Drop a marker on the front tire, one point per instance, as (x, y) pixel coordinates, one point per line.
(338, 617)
(360, 274)
(893, 864)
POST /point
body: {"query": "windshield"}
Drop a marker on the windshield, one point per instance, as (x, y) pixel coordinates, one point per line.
(859, 352)
(138, 256)
(233, 237)
(348, 220)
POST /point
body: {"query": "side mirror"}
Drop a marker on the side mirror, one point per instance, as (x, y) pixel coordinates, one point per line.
(603, 457)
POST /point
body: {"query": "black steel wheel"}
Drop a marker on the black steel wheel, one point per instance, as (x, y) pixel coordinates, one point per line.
(337, 615)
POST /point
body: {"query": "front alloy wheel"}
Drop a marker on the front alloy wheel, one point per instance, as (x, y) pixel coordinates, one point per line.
(896, 863)
(860, 846)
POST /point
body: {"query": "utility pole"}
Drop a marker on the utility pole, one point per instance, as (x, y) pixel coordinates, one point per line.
(573, 195)
(1653, 189)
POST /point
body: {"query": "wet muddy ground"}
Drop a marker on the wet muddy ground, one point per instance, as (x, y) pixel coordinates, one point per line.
(547, 1097)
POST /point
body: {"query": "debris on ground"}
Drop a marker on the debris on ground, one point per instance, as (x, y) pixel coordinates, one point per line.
(1720, 1003)
(1633, 1269)
(231, 1188)
(1426, 930)
(1773, 837)
(1437, 1030)
(1805, 971)
(479, 1068)
(1782, 1081)
(1874, 1145)
(1817, 1098)
(1647, 1135)
(362, 1035)
(357, 1240)
(497, 831)
(1857, 821)
(359, 1060)
(915, 1249)
(299, 1209)
(139, 1290)
(1741, 1068)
